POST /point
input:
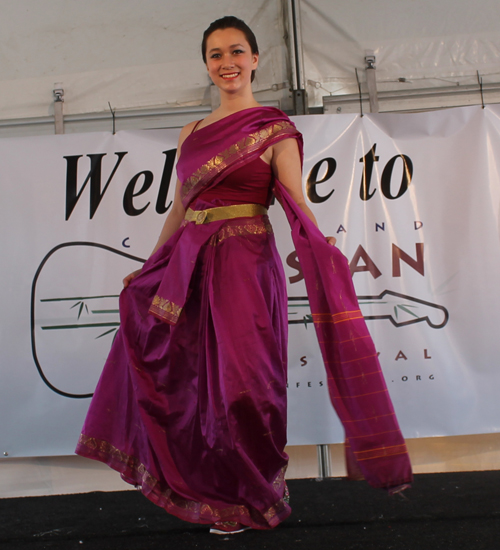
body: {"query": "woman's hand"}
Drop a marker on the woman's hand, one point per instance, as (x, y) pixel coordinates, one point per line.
(331, 240)
(128, 278)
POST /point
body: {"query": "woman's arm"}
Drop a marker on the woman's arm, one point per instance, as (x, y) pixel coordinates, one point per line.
(173, 220)
(287, 168)
(177, 211)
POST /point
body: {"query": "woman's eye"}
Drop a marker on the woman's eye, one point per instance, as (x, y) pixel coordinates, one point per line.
(215, 56)
(238, 51)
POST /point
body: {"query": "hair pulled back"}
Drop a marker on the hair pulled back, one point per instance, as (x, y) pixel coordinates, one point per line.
(230, 22)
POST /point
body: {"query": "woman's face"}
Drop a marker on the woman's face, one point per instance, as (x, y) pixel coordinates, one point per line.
(230, 60)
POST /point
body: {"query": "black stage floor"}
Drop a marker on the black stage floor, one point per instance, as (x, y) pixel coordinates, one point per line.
(441, 512)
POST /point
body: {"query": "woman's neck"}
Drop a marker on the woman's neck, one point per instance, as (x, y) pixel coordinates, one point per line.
(233, 103)
(230, 104)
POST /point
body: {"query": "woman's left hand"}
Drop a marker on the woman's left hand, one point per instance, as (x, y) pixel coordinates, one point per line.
(331, 240)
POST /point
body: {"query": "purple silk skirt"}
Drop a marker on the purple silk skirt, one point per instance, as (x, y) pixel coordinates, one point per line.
(195, 413)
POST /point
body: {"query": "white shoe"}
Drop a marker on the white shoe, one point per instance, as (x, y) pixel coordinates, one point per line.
(228, 528)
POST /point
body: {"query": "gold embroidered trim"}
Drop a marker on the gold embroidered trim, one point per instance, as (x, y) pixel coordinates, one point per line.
(161, 307)
(168, 499)
(371, 418)
(355, 396)
(247, 144)
(381, 452)
(337, 317)
(251, 228)
(346, 362)
(362, 375)
(373, 434)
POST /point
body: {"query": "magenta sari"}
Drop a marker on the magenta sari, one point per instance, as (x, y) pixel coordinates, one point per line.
(191, 404)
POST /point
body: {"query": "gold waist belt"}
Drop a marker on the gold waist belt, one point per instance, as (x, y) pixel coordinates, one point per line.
(224, 213)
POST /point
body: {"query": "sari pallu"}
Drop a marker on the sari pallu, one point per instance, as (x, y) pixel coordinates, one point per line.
(375, 448)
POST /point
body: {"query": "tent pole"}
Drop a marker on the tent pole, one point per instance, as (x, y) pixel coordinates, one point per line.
(296, 57)
(324, 469)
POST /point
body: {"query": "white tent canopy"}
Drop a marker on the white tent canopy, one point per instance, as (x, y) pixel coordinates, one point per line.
(417, 43)
(133, 55)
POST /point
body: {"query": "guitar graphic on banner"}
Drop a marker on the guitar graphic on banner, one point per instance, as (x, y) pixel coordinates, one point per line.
(61, 324)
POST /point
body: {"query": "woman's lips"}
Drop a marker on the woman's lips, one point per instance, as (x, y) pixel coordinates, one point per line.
(229, 76)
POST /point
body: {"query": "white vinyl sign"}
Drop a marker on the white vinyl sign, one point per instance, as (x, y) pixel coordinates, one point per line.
(413, 200)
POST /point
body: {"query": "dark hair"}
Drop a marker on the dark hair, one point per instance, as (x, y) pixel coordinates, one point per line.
(230, 22)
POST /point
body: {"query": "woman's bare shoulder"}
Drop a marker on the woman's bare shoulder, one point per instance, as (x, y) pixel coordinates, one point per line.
(186, 131)
(190, 126)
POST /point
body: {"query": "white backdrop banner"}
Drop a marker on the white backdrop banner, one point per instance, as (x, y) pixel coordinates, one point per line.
(413, 200)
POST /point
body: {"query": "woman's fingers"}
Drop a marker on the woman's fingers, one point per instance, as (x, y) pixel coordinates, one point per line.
(129, 278)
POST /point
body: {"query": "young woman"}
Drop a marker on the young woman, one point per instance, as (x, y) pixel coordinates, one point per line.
(191, 405)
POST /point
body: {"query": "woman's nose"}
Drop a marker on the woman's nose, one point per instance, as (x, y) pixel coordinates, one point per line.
(228, 61)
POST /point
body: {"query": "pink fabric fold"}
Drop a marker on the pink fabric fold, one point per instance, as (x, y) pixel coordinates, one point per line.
(170, 299)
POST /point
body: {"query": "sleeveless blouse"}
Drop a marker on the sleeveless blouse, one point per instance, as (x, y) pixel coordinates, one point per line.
(248, 184)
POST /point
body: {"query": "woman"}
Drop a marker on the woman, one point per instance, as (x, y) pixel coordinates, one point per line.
(191, 405)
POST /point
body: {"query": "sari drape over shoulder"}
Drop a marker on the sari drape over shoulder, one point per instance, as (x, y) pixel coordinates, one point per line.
(191, 404)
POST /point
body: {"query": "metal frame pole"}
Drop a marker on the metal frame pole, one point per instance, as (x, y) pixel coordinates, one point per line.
(324, 469)
(296, 57)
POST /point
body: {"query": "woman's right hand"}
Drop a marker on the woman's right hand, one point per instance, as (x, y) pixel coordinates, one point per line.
(128, 278)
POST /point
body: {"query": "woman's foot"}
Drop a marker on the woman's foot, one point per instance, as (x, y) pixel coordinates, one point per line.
(228, 528)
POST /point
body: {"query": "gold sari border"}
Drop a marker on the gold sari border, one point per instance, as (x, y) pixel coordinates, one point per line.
(371, 418)
(245, 145)
(165, 309)
(360, 395)
(252, 227)
(373, 435)
(135, 473)
(337, 317)
(381, 452)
